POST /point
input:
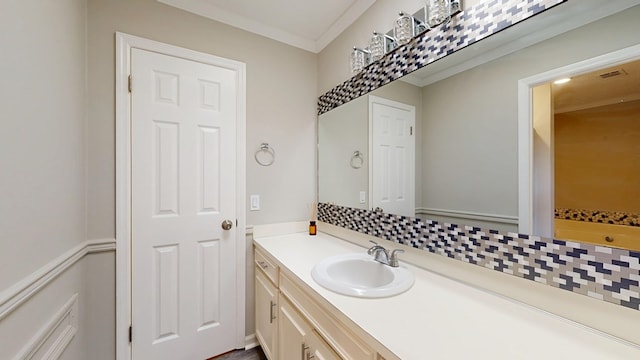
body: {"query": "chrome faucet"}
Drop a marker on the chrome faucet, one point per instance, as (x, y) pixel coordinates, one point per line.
(381, 255)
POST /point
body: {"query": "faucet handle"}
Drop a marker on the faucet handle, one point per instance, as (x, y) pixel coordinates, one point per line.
(373, 248)
(393, 259)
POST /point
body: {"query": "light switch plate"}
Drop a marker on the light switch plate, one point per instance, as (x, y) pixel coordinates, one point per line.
(363, 196)
(255, 203)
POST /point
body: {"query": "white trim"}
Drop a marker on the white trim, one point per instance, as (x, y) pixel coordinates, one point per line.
(19, 293)
(502, 219)
(525, 124)
(124, 44)
(219, 13)
(250, 341)
(63, 325)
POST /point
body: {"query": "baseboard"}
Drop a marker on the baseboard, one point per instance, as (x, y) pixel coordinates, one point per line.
(16, 295)
(50, 342)
(250, 341)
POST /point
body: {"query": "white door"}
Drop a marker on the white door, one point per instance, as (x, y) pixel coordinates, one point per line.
(392, 160)
(183, 141)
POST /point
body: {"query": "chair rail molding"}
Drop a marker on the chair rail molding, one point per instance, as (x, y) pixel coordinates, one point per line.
(497, 218)
(14, 296)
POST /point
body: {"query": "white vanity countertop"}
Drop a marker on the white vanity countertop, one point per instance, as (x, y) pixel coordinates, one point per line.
(440, 318)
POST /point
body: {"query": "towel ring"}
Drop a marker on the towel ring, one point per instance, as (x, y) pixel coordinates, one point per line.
(271, 154)
(356, 161)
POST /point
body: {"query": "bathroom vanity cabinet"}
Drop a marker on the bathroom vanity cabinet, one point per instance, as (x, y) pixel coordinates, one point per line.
(266, 295)
(438, 317)
(292, 323)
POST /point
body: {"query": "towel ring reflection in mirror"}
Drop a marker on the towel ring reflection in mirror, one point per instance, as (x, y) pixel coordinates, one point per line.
(356, 161)
(265, 155)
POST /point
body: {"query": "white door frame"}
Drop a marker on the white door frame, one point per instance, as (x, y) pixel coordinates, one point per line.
(124, 44)
(526, 150)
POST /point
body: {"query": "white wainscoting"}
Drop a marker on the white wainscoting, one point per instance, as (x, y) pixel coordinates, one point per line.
(16, 295)
(493, 221)
(51, 341)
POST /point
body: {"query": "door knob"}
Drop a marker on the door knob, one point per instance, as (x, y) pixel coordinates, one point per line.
(227, 224)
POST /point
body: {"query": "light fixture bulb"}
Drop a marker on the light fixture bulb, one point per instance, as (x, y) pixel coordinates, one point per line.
(359, 59)
(438, 12)
(377, 46)
(562, 81)
(403, 28)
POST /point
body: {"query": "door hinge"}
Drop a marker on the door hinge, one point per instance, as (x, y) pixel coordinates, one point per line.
(129, 85)
(236, 222)
(130, 334)
(410, 127)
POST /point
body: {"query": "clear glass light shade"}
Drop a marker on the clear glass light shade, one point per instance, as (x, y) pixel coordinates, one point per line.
(438, 12)
(359, 59)
(377, 46)
(403, 29)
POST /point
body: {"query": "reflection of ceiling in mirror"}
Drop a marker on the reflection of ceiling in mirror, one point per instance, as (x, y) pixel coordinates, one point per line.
(606, 86)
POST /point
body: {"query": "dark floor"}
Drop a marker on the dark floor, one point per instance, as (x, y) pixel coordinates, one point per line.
(253, 354)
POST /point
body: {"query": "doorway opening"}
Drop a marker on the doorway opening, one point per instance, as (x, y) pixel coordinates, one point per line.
(577, 150)
(128, 334)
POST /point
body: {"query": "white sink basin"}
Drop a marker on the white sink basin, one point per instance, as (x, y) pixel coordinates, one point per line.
(359, 275)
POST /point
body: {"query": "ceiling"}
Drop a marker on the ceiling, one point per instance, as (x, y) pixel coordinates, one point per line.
(606, 86)
(306, 24)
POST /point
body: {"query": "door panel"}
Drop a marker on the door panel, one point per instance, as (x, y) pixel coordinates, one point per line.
(392, 164)
(183, 186)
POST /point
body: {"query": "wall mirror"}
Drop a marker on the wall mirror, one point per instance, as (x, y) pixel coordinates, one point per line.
(456, 170)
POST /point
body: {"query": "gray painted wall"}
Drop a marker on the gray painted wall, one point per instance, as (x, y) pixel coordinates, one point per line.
(58, 146)
(281, 105)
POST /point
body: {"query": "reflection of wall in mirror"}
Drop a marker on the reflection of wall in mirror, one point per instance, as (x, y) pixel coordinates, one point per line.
(597, 158)
(341, 132)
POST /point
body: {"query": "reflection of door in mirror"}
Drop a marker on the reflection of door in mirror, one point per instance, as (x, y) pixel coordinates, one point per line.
(593, 143)
(392, 161)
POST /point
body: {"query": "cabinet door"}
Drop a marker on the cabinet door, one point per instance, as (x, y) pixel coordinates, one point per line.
(319, 349)
(266, 315)
(292, 331)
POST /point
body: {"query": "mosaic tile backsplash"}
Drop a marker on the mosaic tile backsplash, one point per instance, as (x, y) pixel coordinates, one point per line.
(599, 216)
(604, 273)
(466, 28)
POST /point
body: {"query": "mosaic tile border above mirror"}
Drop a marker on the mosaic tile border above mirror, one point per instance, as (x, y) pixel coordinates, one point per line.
(466, 28)
(600, 272)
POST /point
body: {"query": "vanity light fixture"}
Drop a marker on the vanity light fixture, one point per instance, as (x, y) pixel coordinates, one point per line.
(380, 45)
(406, 27)
(562, 81)
(359, 59)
